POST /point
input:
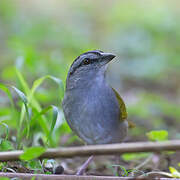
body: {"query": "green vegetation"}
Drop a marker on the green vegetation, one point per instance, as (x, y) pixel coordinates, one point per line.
(38, 42)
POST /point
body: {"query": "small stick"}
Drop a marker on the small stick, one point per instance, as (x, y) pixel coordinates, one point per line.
(105, 149)
(84, 166)
(155, 174)
(26, 176)
(146, 161)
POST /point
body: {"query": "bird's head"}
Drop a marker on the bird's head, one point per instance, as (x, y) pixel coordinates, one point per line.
(87, 67)
(90, 62)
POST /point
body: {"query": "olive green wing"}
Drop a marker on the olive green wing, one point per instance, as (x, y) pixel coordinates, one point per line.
(122, 108)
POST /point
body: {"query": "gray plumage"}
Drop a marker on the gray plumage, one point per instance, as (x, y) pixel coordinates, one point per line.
(90, 105)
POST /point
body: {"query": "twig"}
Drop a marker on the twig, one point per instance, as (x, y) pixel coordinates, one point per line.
(155, 174)
(84, 166)
(25, 176)
(146, 161)
(105, 149)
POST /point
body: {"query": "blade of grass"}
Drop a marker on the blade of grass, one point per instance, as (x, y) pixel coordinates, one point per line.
(30, 95)
(54, 119)
(25, 102)
(26, 89)
(32, 153)
(22, 81)
(34, 103)
(8, 92)
(7, 129)
(39, 81)
(43, 124)
(36, 84)
(61, 87)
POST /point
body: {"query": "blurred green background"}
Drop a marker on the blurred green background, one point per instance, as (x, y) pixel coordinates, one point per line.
(43, 37)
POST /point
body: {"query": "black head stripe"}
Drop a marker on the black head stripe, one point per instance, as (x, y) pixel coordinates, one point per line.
(97, 52)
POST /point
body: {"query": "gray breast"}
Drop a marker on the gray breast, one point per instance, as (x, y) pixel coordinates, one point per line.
(94, 115)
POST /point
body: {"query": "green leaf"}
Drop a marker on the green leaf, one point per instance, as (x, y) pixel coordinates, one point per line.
(21, 95)
(27, 90)
(1, 165)
(5, 145)
(34, 104)
(40, 116)
(24, 109)
(22, 81)
(7, 129)
(133, 156)
(39, 81)
(54, 119)
(4, 178)
(125, 172)
(174, 172)
(32, 153)
(25, 101)
(61, 86)
(157, 135)
(37, 119)
(7, 91)
(34, 164)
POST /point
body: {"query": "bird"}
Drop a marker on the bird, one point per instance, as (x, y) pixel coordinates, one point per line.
(92, 108)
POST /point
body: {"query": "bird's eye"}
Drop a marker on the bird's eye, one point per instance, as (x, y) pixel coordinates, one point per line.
(86, 61)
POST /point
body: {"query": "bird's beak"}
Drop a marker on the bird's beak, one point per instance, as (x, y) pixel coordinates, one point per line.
(107, 57)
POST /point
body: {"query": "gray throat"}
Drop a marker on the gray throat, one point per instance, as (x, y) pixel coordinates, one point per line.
(86, 80)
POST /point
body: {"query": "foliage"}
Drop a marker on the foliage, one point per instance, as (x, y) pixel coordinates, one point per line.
(133, 156)
(38, 44)
(33, 111)
(32, 153)
(157, 135)
(147, 43)
(174, 172)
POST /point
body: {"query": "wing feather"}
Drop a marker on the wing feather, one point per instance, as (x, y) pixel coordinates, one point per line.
(122, 105)
(122, 108)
